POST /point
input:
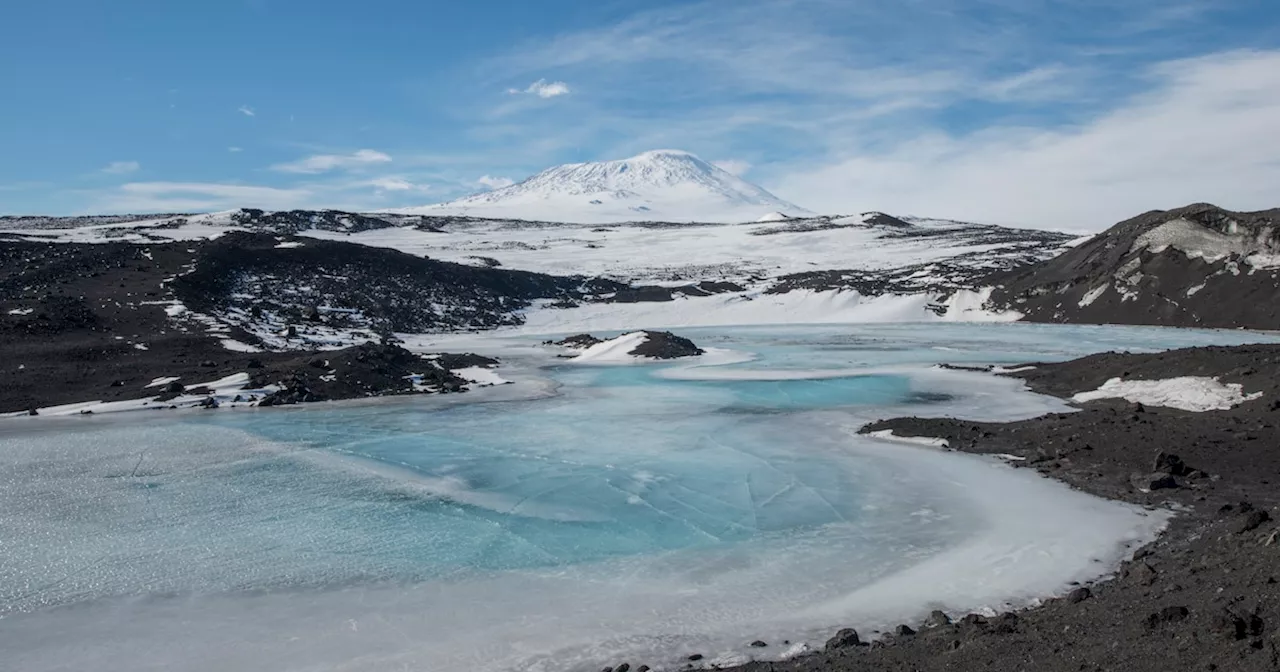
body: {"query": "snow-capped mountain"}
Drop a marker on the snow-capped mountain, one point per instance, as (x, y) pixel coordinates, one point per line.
(663, 185)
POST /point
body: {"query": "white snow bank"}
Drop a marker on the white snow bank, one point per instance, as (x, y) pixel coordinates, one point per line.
(756, 308)
(238, 346)
(888, 435)
(222, 391)
(481, 376)
(1189, 393)
(615, 350)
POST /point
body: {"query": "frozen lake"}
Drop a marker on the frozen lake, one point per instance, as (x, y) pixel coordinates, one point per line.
(585, 516)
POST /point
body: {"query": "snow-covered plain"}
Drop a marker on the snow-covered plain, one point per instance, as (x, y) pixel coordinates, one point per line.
(1189, 393)
(629, 516)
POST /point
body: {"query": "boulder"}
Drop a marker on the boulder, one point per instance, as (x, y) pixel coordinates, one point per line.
(1167, 615)
(1152, 482)
(937, 618)
(1079, 595)
(1168, 463)
(1250, 521)
(844, 639)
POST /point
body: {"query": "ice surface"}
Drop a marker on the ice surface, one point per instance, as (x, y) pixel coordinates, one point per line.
(1189, 393)
(631, 515)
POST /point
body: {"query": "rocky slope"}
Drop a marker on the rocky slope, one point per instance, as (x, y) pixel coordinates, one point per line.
(101, 321)
(1197, 266)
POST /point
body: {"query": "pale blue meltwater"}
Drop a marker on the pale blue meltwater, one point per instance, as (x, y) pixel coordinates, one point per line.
(581, 516)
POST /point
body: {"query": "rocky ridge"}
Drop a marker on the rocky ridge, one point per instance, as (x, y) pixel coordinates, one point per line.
(1197, 266)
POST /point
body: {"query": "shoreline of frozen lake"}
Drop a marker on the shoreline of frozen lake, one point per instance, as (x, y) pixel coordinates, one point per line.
(630, 514)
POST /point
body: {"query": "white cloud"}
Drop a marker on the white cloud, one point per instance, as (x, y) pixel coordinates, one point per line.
(732, 166)
(321, 163)
(122, 167)
(543, 89)
(234, 150)
(392, 184)
(200, 197)
(1201, 133)
(247, 111)
(489, 182)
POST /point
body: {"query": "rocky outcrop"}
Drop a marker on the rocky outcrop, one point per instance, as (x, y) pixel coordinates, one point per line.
(250, 280)
(666, 345)
(1197, 266)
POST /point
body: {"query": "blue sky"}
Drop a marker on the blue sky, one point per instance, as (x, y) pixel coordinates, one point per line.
(1058, 113)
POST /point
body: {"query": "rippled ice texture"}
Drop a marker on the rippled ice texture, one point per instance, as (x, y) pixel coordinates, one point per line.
(641, 512)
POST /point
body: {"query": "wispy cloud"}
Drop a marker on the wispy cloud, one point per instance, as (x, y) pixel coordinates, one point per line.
(121, 167)
(489, 182)
(199, 197)
(322, 163)
(235, 150)
(246, 111)
(733, 166)
(845, 105)
(392, 184)
(1198, 135)
(543, 89)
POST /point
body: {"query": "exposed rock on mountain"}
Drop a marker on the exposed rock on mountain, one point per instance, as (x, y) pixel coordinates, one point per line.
(1197, 266)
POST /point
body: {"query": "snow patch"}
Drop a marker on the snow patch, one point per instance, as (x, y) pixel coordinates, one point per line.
(888, 435)
(238, 346)
(22, 311)
(615, 350)
(481, 376)
(1189, 393)
(1092, 295)
(758, 308)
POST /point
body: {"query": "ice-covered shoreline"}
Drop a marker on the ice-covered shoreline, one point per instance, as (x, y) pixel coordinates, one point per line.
(402, 604)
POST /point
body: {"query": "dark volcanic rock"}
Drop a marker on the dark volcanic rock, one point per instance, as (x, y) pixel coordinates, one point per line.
(581, 341)
(1079, 595)
(78, 317)
(937, 619)
(1167, 463)
(1152, 482)
(1139, 272)
(666, 345)
(844, 639)
(1250, 521)
(1167, 615)
(377, 289)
